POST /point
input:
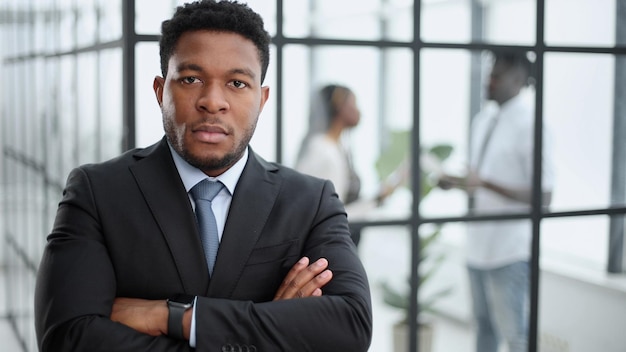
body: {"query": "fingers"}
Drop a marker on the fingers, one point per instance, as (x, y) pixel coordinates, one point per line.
(304, 280)
(298, 267)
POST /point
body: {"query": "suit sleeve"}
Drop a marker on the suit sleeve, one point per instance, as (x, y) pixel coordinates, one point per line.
(76, 284)
(340, 320)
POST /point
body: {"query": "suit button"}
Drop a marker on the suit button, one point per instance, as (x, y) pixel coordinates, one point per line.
(237, 348)
(227, 348)
(252, 348)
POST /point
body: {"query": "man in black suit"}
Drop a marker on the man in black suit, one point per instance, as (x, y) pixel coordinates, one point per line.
(125, 243)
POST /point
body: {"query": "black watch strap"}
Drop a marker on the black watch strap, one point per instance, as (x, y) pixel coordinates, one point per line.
(177, 306)
(175, 322)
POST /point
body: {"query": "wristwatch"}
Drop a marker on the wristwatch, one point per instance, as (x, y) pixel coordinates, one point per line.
(177, 305)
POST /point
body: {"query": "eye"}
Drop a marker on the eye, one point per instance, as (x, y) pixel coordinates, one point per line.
(238, 84)
(189, 80)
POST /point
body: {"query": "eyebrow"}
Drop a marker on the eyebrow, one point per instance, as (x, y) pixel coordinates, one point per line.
(243, 71)
(185, 66)
(197, 68)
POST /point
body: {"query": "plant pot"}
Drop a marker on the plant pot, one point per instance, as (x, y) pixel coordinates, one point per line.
(401, 337)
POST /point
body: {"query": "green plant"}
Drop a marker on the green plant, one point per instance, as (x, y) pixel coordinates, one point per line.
(390, 160)
(396, 154)
(399, 298)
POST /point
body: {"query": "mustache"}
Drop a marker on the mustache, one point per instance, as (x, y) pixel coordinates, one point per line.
(212, 124)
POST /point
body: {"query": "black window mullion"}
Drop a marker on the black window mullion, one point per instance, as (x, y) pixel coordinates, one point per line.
(616, 249)
(129, 39)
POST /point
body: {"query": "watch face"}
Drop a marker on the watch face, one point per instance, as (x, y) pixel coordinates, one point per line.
(182, 299)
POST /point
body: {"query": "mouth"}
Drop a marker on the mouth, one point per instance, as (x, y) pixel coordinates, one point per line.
(209, 133)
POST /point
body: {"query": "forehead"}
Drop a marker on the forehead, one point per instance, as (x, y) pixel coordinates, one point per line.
(213, 49)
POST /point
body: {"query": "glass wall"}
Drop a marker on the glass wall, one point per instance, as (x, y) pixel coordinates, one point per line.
(71, 94)
(61, 107)
(431, 82)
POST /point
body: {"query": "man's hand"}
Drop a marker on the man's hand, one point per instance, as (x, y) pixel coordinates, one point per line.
(146, 316)
(304, 280)
(447, 182)
(468, 183)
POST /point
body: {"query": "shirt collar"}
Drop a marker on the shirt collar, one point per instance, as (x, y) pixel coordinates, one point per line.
(191, 175)
(509, 104)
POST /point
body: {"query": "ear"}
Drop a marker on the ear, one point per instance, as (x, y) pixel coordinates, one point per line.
(265, 94)
(158, 86)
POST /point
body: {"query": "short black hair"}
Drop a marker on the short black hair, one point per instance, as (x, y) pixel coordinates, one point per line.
(332, 96)
(212, 15)
(515, 59)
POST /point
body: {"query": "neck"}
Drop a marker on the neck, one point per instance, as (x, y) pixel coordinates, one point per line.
(334, 132)
(503, 101)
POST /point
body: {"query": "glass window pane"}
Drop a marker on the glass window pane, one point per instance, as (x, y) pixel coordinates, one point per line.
(150, 14)
(575, 242)
(40, 29)
(68, 113)
(50, 33)
(385, 252)
(41, 106)
(66, 26)
(506, 22)
(110, 124)
(444, 121)
(580, 22)
(348, 19)
(296, 102)
(148, 123)
(582, 130)
(573, 261)
(88, 145)
(110, 26)
(27, 110)
(54, 125)
(86, 23)
(446, 21)
(398, 20)
(264, 139)
(511, 22)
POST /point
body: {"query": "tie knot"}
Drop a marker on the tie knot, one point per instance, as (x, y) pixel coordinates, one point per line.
(206, 189)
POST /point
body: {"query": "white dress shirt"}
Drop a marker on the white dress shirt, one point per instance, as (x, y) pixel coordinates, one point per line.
(507, 161)
(220, 205)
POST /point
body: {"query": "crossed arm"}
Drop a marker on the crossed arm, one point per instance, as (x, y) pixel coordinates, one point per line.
(150, 316)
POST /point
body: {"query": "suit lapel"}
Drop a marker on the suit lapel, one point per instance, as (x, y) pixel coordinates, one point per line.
(165, 194)
(252, 202)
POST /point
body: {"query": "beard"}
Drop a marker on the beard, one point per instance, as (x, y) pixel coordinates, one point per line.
(208, 163)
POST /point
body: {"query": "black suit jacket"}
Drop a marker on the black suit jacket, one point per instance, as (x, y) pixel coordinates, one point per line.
(126, 228)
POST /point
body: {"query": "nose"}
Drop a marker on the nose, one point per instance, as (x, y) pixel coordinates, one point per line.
(213, 99)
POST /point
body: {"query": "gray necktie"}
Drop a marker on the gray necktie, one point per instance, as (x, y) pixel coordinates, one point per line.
(203, 193)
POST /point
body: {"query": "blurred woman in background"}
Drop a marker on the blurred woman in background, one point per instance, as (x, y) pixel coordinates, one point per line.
(325, 152)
